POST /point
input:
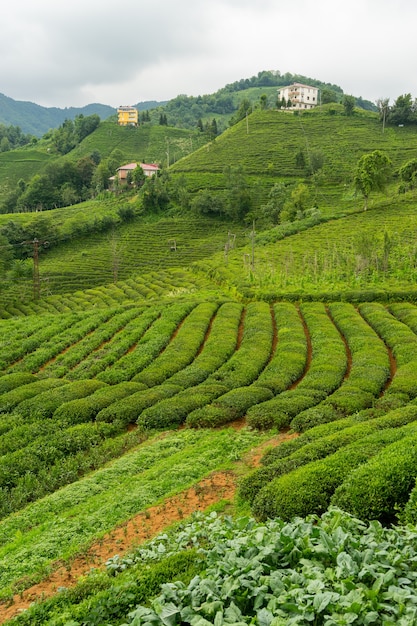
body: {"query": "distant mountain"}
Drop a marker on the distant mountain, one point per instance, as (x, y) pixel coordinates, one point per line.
(149, 104)
(37, 120)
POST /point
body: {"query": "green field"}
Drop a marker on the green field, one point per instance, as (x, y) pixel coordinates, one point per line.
(155, 359)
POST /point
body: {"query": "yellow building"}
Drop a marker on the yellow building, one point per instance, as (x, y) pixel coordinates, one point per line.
(127, 116)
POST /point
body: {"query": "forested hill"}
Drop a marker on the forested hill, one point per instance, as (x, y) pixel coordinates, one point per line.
(37, 120)
(182, 111)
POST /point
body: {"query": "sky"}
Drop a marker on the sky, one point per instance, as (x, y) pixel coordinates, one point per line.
(73, 53)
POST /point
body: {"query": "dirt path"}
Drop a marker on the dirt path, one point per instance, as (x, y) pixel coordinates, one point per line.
(216, 487)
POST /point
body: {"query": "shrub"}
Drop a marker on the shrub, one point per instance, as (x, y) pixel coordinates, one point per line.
(11, 399)
(85, 409)
(11, 381)
(127, 410)
(313, 416)
(173, 411)
(309, 488)
(228, 407)
(381, 488)
(45, 404)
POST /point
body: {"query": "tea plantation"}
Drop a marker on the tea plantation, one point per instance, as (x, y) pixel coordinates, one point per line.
(156, 358)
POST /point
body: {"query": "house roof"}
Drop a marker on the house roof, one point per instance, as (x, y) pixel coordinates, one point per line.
(129, 166)
(149, 166)
(297, 85)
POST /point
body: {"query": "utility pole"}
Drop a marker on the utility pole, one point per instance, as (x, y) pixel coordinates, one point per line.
(36, 278)
(253, 245)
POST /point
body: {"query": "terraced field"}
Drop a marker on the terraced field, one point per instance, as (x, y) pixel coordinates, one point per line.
(154, 380)
(200, 364)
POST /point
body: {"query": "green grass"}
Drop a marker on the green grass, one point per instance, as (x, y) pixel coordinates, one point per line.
(63, 524)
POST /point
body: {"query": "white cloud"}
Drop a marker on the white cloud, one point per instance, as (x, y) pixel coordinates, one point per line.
(70, 54)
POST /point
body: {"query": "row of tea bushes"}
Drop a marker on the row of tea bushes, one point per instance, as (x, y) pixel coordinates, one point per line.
(325, 373)
(109, 352)
(14, 346)
(183, 347)
(149, 346)
(92, 341)
(11, 381)
(43, 405)
(46, 450)
(381, 487)
(309, 488)
(320, 442)
(11, 399)
(289, 359)
(403, 343)
(369, 371)
(57, 343)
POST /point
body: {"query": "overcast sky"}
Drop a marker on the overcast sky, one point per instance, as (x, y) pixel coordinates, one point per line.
(72, 53)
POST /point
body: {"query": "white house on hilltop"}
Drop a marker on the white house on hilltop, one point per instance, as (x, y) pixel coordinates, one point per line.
(300, 96)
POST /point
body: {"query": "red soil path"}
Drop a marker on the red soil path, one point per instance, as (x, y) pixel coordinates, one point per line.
(216, 487)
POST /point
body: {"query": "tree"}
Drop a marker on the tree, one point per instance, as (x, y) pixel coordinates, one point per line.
(315, 161)
(206, 203)
(263, 101)
(328, 96)
(245, 109)
(138, 177)
(276, 200)
(155, 194)
(39, 194)
(408, 173)
(84, 126)
(238, 195)
(403, 110)
(4, 144)
(348, 105)
(372, 173)
(383, 108)
(300, 160)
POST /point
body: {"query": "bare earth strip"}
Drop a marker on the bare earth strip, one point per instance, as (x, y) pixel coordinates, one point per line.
(147, 524)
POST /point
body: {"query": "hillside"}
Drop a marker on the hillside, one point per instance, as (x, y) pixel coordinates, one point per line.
(37, 120)
(182, 111)
(260, 371)
(145, 143)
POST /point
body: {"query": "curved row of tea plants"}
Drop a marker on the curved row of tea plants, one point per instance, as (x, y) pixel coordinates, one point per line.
(327, 369)
(302, 475)
(369, 371)
(286, 364)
